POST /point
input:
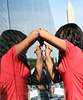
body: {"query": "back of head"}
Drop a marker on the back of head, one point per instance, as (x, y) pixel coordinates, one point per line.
(8, 39)
(72, 33)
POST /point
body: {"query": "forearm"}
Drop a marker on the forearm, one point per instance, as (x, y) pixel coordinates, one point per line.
(39, 68)
(53, 40)
(52, 70)
(49, 64)
(26, 43)
(36, 76)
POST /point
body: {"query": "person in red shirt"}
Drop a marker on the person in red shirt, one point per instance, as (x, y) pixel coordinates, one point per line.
(69, 40)
(14, 70)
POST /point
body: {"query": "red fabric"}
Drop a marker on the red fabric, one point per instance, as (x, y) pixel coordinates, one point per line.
(0, 90)
(14, 77)
(71, 70)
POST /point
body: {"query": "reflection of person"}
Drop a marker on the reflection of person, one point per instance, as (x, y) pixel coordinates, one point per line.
(14, 70)
(44, 83)
(69, 41)
(41, 86)
(32, 78)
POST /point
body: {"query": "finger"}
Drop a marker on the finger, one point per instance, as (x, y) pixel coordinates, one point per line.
(41, 50)
(40, 29)
(50, 46)
(50, 49)
(35, 51)
(45, 46)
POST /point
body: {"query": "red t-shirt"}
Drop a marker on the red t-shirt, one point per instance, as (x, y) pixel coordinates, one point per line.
(71, 70)
(14, 77)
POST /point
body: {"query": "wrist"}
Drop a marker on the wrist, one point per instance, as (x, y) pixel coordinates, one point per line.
(39, 57)
(47, 58)
(49, 62)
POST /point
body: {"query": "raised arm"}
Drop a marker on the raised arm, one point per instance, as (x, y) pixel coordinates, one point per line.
(39, 63)
(26, 43)
(51, 68)
(53, 40)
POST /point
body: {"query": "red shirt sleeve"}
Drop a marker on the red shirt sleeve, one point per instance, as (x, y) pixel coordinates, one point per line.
(12, 53)
(70, 49)
(7, 62)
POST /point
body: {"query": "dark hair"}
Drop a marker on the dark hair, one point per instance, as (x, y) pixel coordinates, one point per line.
(8, 39)
(73, 33)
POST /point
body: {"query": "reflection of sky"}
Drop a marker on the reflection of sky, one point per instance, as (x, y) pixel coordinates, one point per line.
(29, 15)
(26, 16)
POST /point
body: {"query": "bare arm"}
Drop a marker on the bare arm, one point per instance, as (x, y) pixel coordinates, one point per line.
(53, 40)
(39, 63)
(51, 69)
(26, 43)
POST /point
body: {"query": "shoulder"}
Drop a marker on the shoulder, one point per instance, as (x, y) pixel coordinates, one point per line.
(70, 48)
(10, 55)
